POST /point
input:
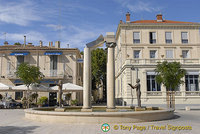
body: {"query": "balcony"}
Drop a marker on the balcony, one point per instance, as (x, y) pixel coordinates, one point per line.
(49, 74)
(53, 74)
(154, 61)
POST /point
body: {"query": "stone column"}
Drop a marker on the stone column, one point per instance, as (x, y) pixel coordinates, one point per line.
(110, 77)
(86, 80)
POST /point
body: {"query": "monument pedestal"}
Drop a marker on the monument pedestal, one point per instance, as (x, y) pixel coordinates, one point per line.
(60, 109)
(86, 110)
(140, 108)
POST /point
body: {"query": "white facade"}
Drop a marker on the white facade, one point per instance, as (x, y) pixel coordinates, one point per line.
(141, 44)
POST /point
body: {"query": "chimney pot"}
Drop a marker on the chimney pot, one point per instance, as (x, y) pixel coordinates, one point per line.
(159, 18)
(128, 17)
(41, 43)
(24, 41)
(57, 44)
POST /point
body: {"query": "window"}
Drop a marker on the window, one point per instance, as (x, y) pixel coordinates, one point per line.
(53, 65)
(169, 54)
(152, 54)
(151, 83)
(18, 95)
(185, 53)
(168, 37)
(152, 37)
(184, 37)
(136, 53)
(20, 59)
(192, 82)
(136, 37)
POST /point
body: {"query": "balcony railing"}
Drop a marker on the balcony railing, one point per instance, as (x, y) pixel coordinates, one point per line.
(11, 74)
(53, 73)
(192, 93)
(154, 61)
(177, 93)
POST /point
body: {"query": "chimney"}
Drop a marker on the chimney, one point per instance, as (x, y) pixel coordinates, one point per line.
(51, 44)
(159, 18)
(120, 21)
(127, 17)
(57, 44)
(5, 43)
(30, 44)
(67, 45)
(24, 41)
(41, 43)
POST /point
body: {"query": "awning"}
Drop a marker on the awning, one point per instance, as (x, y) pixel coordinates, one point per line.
(53, 53)
(19, 53)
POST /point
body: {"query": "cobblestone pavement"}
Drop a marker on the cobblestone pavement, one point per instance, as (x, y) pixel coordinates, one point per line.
(13, 122)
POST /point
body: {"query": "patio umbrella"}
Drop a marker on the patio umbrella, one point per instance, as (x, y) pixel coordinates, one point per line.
(4, 87)
(37, 88)
(69, 87)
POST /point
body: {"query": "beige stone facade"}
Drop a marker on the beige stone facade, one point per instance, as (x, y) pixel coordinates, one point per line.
(141, 44)
(54, 62)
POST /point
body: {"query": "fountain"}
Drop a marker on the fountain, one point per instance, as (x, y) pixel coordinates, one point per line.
(99, 114)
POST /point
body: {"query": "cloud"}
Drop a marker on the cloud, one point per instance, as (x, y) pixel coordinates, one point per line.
(55, 27)
(31, 36)
(139, 6)
(19, 12)
(82, 35)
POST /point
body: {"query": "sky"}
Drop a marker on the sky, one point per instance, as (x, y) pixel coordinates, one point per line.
(78, 22)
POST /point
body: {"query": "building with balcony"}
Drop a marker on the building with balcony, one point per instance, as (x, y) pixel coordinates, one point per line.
(54, 62)
(141, 44)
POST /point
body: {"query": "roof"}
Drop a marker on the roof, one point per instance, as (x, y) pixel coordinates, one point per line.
(31, 47)
(164, 21)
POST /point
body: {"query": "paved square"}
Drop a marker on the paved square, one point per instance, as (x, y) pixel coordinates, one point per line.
(13, 122)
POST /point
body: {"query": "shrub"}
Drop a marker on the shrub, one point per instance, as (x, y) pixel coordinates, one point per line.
(43, 100)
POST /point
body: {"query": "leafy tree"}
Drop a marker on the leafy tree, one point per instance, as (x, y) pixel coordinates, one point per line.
(170, 75)
(17, 43)
(29, 75)
(99, 60)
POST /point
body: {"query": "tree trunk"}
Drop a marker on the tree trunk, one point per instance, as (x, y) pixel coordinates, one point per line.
(28, 96)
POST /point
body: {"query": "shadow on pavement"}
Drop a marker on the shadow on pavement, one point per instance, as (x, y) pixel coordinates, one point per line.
(17, 130)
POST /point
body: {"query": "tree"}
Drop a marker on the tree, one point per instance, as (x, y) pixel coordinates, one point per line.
(170, 75)
(99, 60)
(29, 75)
(17, 43)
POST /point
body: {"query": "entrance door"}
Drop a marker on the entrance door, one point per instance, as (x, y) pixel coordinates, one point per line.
(52, 98)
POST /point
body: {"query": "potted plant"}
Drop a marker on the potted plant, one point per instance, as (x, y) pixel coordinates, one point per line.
(74, 102)
(42, 101)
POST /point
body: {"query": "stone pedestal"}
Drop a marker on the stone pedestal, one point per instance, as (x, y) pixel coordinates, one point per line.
(110, 77)
(140, 108)
(59, 109)
(111, 110)
(87, 79)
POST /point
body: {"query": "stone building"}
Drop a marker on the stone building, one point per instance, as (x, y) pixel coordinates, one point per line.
(141, 44)
(54, 62)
